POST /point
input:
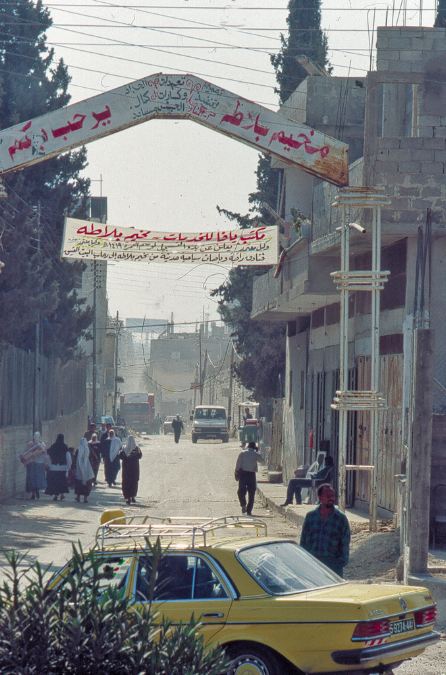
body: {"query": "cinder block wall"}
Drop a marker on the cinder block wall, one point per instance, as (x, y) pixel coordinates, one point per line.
(14, 439)
(411, 163)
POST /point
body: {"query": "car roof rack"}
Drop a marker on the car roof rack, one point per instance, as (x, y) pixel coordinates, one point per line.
(174, 530)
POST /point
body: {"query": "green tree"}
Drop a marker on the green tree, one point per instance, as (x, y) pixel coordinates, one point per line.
(304, 37)
(35, 281)
(440, 20)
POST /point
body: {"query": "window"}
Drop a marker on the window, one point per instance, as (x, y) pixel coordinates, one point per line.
(112, 570)
(284, 567)
(179, 577)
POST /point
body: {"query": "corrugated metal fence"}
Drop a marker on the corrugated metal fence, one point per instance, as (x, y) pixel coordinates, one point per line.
(63, 387)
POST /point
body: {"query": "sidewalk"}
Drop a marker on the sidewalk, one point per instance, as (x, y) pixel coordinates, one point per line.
(274, 494)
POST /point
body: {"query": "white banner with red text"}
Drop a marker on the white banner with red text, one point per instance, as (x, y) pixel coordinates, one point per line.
(95, 241)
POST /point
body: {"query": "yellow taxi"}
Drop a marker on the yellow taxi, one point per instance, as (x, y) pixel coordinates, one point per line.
(271, 605)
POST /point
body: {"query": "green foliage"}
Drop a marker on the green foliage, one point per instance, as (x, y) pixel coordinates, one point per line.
(261, 344)
(305, 37)
(33, 282)
(440, 19)
(81, 629)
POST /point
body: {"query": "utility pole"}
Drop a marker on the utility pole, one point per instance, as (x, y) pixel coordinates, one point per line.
(37, 369)
(200, 365)
(115, 397)
(231, 366)
(94, 360)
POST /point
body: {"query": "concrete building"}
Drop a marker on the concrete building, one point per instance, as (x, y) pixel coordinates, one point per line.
(394, 121)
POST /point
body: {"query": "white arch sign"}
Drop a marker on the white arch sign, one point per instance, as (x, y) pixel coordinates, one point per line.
(162, 96)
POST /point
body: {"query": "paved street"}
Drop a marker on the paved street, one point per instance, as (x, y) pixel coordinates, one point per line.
(184, 479)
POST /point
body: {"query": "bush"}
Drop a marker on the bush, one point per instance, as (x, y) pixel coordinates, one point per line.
(82, 630)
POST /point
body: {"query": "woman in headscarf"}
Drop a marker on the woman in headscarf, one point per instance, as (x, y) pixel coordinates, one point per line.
(130, 457)
(95, 454)
(111, 448)
(60, 463)
(36, 459)
(84, 471)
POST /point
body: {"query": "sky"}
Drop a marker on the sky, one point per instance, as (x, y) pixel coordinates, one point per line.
(171, 175)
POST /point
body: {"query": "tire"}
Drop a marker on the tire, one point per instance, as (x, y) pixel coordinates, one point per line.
(194, 438)
(225, 439)
(253, 659)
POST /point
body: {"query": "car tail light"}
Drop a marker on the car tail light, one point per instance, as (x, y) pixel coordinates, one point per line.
(425, 617)
(371, 629)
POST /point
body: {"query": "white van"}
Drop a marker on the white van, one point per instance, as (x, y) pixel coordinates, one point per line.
(209, 421)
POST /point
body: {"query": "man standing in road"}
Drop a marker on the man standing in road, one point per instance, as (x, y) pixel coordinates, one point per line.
(326, 532)
(245, 473)
(177, 426)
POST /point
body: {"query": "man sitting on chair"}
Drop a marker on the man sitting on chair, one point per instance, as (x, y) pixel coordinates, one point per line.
(296, 484)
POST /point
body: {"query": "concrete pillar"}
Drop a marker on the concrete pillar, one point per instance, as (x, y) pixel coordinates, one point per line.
(420, 450)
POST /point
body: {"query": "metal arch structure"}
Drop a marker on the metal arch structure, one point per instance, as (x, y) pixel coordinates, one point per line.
(169, 96)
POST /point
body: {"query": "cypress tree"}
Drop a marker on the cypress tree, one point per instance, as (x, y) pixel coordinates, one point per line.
(304, 37)
(35, 281)
(440, 20)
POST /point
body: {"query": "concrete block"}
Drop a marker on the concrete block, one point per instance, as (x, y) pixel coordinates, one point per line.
(425, 132)
(429, 191)
(421, 204)
(402, 154)
(399, 66)
(440, 155)
(388, 143)
(382, 42)
(436, 143)
(440, 132)
(410, 142)
(439, 45)
(382, 64)
(400, 42)
(432, 167)
(393, 54)
(401, 203)
(424, 155)
(386, 166)
(410, 191)
(422, 43)
(409, 167)
(417, 66)
(410, 55)
(429, 120)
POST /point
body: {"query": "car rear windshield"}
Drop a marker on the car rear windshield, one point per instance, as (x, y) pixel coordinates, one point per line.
(210, 414)
(284, 567)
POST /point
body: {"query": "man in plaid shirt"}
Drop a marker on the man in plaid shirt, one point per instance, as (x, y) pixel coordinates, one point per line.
(326, 532)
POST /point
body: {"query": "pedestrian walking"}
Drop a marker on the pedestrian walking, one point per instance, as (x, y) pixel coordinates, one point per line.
(245, 473)
(130, 456)
(326, 532)
(178, 426)
(71, 478)
(95, 455)
(35, 459)
(84, 471)
(91, 430)
(60, 463)
(110, 449)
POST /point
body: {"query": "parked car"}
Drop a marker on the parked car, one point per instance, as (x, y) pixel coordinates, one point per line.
(209, 422)
(167, 424)
(266, 601)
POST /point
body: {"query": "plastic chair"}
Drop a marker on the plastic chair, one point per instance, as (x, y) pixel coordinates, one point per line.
(439, 518)
(315, 484)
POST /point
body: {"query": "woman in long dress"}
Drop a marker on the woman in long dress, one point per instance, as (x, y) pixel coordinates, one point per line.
(35, 459)
(84, 471)
(60, 463)
(130, 457)
(111, 447)
(95, 455)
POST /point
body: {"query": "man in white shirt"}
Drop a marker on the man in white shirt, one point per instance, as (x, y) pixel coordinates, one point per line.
(245, 473)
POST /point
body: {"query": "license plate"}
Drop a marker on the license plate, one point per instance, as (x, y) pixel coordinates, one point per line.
(404, 626)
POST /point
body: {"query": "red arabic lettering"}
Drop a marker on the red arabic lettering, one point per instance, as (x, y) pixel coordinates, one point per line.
(223, 236)
(22, 144)
(96, 231)
(71, 126)
(258, 129)
(289, 141)
(101, 117)
(236, 119)
(141, 234)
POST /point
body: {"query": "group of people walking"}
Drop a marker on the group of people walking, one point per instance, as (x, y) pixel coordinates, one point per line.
(57, 469)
